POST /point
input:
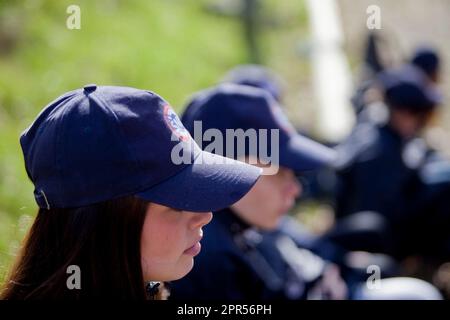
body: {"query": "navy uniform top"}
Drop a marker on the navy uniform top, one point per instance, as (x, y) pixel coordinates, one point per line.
(378, 172)
(237, 262)
(404, 180)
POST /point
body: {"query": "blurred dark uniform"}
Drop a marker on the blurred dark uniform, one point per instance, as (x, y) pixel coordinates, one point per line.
(374, 175)
(238, 262)
(381, 171)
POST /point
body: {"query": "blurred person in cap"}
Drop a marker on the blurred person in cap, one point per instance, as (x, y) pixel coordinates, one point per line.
(427, 206)
(379, 166)
(242, 257)
(236, 263)
(257, 76)
(434, 208)
(368, 98)
(428, 61)
(317, 184)
(112, 202)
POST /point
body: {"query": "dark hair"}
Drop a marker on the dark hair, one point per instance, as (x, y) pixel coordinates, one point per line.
(103, 239)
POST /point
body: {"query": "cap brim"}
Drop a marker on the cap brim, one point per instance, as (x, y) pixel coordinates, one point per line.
(302, 154)
(210, 183)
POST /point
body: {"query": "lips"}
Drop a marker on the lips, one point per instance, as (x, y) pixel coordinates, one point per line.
(195, 248)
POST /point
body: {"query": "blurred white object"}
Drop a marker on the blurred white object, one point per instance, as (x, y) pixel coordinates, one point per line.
(331, 72)
(400, 288)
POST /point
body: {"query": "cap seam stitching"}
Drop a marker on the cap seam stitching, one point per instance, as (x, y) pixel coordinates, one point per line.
(59, 155)
(97, 96)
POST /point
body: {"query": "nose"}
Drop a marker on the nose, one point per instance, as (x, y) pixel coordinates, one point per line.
(199, 220)
(296, 188)
(293, 186)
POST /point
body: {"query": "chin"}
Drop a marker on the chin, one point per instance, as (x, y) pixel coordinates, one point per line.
(184, 269)
(270, 226)
(176, 273)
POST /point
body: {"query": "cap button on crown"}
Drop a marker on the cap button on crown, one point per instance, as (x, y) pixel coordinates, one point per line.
(89, 88)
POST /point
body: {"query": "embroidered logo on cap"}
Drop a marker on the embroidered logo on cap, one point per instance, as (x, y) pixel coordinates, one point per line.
(174, 124)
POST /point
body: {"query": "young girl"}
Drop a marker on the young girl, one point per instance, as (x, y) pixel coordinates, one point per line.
(116, 212)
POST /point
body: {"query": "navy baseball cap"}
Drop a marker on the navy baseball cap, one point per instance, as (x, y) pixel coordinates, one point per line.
(103, 142)
(407, 87)
(427, 59)
(256, 76)
(231, 106)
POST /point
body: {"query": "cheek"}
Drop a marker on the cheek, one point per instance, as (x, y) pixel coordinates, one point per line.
(291, 190)
(162, 246)
(156, 242)
(273, 194)
(268, 190)
(270, 201)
